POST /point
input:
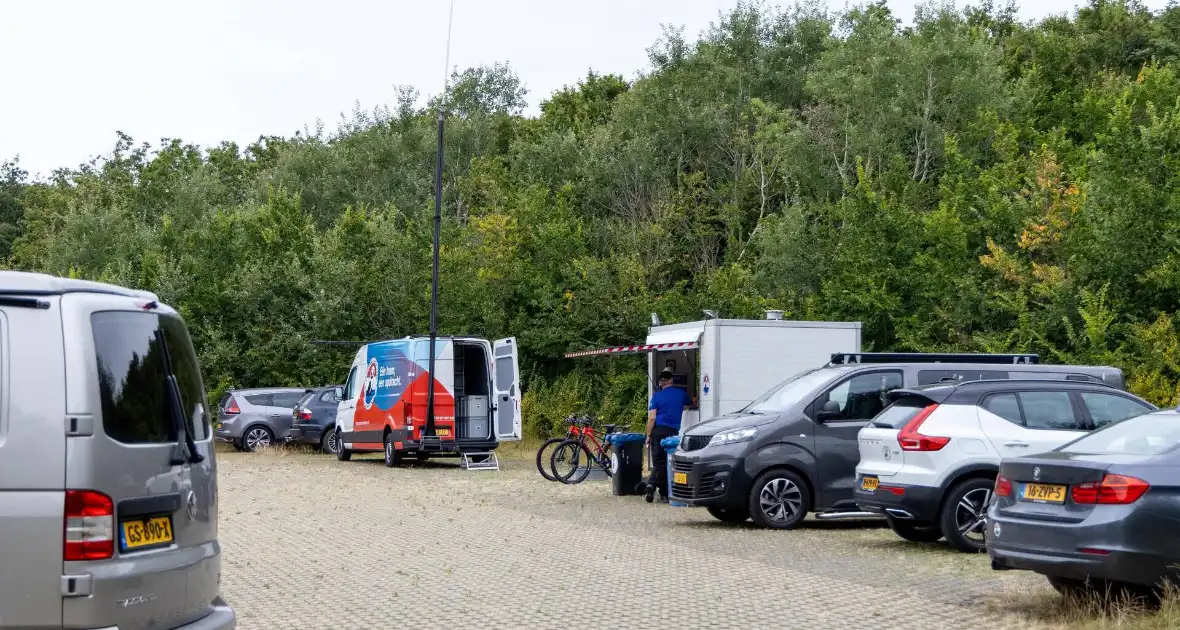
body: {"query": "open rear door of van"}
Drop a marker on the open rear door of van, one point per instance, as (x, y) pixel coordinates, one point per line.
(507, 381)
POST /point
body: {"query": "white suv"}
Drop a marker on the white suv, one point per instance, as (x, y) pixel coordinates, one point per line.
(929, 460)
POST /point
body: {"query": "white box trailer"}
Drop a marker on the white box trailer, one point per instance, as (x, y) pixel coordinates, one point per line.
(727, 363)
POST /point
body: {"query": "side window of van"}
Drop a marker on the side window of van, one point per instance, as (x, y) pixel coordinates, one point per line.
(131, 377)
(862, 396)
(350, 385)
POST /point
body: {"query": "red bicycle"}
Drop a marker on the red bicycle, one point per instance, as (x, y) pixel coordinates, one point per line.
(573, 458)
(575, 429)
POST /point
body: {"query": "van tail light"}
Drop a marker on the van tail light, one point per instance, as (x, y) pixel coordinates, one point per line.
(1112, 490)
(911, 440)
(90, 526)
(1003, 486)
(231, 407)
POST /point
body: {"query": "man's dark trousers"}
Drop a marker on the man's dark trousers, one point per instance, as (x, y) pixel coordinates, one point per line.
(659, 459)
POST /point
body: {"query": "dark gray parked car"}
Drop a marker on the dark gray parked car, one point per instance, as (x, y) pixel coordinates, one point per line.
(1099, 511)
(314, 418)
(252, 418)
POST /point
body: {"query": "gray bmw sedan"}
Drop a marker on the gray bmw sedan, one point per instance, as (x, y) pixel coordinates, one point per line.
(1101, 511)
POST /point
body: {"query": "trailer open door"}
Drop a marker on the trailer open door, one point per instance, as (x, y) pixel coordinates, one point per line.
(507, 383)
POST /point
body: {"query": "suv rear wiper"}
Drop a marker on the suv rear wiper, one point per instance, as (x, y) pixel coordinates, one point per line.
(186, 448)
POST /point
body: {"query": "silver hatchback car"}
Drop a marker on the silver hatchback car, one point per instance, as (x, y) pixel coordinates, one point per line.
(254, 418)
(108, 481)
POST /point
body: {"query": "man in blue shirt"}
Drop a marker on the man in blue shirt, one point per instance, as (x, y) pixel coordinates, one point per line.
(663, 420)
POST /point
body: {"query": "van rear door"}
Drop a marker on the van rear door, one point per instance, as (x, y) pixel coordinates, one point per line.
(507, 382)
(130, 450)
(32, 461)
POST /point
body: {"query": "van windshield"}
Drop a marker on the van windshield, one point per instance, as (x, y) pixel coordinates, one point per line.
(790, 391)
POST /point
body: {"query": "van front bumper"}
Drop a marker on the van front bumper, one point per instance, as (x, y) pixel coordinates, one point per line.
(714, 480)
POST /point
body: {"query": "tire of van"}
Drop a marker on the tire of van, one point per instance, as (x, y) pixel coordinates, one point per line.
(780, 488)
(393, 457)
(914, 531)
(342, 453)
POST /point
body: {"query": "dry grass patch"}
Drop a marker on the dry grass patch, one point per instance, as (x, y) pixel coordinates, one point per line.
(1087, 612)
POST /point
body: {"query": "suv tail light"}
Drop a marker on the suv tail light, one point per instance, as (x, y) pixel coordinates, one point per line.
(1112, 490)
(90, 526)
(1003, 486)
(911, 440)
(231, 407)
(304, 414)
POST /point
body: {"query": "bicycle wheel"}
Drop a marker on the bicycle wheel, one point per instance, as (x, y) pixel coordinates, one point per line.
(571, 462)
(544, 454)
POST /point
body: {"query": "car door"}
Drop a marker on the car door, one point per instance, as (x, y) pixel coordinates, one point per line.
(1029, 422)
(323, 407)
(347, 408)
(281, 406)
(506, 379)
(859, 398)
(133, 390)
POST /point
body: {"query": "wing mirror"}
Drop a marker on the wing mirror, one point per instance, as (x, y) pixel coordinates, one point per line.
(830, 411)
(339, 393)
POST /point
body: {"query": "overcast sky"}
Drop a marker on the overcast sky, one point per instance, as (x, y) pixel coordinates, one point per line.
(77, 71)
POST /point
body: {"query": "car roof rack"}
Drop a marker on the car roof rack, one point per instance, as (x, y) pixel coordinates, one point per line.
(1016, 382)
(853, 358)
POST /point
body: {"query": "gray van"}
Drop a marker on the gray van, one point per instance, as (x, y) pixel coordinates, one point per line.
(108, 484)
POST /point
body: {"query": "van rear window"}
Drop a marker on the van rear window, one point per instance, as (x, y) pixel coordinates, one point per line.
(896, 416)
(131, 376)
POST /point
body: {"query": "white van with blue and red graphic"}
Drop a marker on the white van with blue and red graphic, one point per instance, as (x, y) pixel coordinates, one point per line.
(384, 401)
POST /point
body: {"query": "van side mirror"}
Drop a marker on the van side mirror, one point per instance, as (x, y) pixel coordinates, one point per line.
(830, 411)
(339, 393)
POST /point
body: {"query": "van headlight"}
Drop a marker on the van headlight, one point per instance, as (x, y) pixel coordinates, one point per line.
(733, 437)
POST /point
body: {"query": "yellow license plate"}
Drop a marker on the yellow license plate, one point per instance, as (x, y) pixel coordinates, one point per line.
(869, 483)
(680, 478)
(444, 433)
(147, 533)
(1041, 493)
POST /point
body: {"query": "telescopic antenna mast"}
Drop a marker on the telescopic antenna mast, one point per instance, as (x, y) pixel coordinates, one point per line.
(438, 171)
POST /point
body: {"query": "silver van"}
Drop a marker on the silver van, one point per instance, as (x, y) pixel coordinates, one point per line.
(108, 484)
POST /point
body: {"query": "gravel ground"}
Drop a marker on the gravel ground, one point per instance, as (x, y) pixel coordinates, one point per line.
(309, 542)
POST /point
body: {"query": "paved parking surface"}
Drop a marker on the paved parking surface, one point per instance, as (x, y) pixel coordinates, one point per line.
(310, 542)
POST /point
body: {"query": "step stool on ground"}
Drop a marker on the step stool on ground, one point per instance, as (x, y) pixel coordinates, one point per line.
(480, 461)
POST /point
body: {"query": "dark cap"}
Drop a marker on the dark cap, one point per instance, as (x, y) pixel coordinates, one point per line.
(666, 375)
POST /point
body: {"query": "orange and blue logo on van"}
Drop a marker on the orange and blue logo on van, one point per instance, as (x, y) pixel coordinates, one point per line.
(370, 386)
(384, 383)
